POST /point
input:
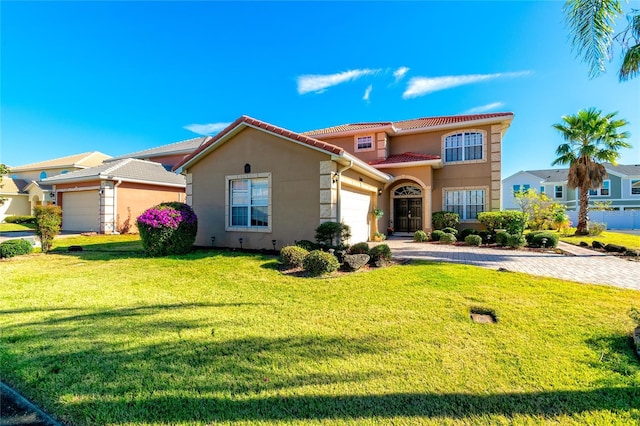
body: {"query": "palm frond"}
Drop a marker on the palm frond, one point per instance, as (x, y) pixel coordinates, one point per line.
(591, 23)
(630, 67)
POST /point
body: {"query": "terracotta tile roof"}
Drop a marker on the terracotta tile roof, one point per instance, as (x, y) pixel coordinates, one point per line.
(86, 159)
(416, 123)
(182, 147)
(267, 127)
(407, 157)
(127, 169)
(347, 128)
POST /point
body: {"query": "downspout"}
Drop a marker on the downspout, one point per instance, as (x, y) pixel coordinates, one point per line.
(115, 206)
(338, 201)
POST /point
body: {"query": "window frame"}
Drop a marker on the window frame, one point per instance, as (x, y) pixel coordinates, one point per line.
(555, 192)
(598, 192)
(464, 146)
(631, 188)
(229, 203)
(356, 147)
(466, 194)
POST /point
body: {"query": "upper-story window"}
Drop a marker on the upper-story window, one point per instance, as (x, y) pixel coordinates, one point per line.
(559, 191)
(43, 175)
(542, 189)
(364, 143)
(635, 187)
(603, 191)
(464, 146)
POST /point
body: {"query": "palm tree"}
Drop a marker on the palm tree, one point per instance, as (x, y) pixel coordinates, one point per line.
(591, 23)
(591, 139)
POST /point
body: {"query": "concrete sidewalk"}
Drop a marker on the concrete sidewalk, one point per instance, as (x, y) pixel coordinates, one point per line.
(581, 265)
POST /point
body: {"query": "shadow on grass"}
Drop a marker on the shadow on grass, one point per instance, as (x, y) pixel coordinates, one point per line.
(616, 355)
(452, 406)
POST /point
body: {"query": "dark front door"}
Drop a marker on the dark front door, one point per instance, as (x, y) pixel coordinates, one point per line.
(408, 214)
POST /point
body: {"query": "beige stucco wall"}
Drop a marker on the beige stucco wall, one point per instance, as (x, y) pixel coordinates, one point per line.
(35, 174)
(134, 198)
(295, 183)
(15, 205)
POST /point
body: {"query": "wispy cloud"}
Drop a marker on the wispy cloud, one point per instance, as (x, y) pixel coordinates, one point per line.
(206, 129)
(319, 83)
(484, 108)
(420, 86)
(367, 93)
(400, 73)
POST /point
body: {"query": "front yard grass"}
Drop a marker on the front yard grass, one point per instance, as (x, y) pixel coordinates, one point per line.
(12, 227)
(607, 237)
(113, 337)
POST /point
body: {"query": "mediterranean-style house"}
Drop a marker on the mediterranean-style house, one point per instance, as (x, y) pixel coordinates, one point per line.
(108, 198)
(257, 185)
(23, 187)
(621, 189)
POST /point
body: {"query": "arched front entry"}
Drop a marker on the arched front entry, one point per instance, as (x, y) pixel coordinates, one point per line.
(407, 201)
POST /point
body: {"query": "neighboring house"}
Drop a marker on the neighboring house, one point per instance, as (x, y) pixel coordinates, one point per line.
(108, 198)
(167, 155)
(16, 198)
(621, 188)
(265, 186)
(40, 194)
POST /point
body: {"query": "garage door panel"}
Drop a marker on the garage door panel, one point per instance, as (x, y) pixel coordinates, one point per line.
(81, 211)
(355, 208)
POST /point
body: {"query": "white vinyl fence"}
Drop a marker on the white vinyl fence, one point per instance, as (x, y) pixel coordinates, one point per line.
(624, 219)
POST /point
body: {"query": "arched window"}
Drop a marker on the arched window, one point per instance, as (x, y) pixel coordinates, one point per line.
(463, 146)
(407, 191)
(43, 175)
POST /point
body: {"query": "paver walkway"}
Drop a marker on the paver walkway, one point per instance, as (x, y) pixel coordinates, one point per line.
(583, 265)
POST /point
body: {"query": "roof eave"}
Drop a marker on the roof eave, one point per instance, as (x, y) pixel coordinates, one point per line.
(389, 129)
(364, 168)
(505, 120)
(435, 164)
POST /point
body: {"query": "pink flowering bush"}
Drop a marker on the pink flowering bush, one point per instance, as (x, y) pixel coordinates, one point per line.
(168, 228)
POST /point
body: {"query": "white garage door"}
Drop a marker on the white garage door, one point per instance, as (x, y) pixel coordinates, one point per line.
(355, 213)
(81, 211)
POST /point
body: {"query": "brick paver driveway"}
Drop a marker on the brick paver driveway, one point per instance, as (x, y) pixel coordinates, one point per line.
(586, 267)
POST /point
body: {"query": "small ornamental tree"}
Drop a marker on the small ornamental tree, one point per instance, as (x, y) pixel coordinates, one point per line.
(48, 222)
(168, 228)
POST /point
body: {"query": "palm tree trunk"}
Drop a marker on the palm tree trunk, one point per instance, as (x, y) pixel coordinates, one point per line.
(583, 214)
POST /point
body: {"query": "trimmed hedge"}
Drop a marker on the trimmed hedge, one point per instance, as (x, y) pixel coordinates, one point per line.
(502, 238)
(320, 262)
(448, 238)
(436, 235)
(20, 219)
(466, 232)
(534, 239)
(420, 236)
(293, 256)
(510, 220)
(11, 248)
(359, 248)
(380, 252)
(473, 240)
(443, 219)
(450, 230)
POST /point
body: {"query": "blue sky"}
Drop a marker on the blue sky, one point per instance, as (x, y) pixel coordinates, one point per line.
(119, 77)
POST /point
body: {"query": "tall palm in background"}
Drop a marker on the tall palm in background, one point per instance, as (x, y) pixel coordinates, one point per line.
(591, 23)
(591, 139)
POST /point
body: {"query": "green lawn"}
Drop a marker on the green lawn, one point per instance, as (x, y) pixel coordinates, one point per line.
(9, 227)
(112, 337)
(607, 237)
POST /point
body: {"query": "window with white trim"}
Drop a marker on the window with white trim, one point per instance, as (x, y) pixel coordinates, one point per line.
(635, 187)
(542, 189)
(364, 143)
(467, 203)
(559, 191)
(249, 203)
(603, 191)
(464, 146)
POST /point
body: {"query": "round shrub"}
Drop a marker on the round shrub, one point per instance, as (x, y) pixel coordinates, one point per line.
(448, 238)
(293, 256)
(473, 240)
(502, 238)
(168, 228)
(307, 245)
(597, 228)
(515, 241)
(359, 248)
(466, 232)
(450, 230)
(320, 262)
(380, 252)
(12, 248)
(487, 237)
(420, 236)
(551, 240)
(436, 235)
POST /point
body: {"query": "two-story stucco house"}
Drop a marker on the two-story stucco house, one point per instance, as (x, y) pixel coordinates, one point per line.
(267, 185)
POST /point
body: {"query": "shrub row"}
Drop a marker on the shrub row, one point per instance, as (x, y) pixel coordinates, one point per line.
(542, 239)
(318, 262)
(12, 248)
(20, 219)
